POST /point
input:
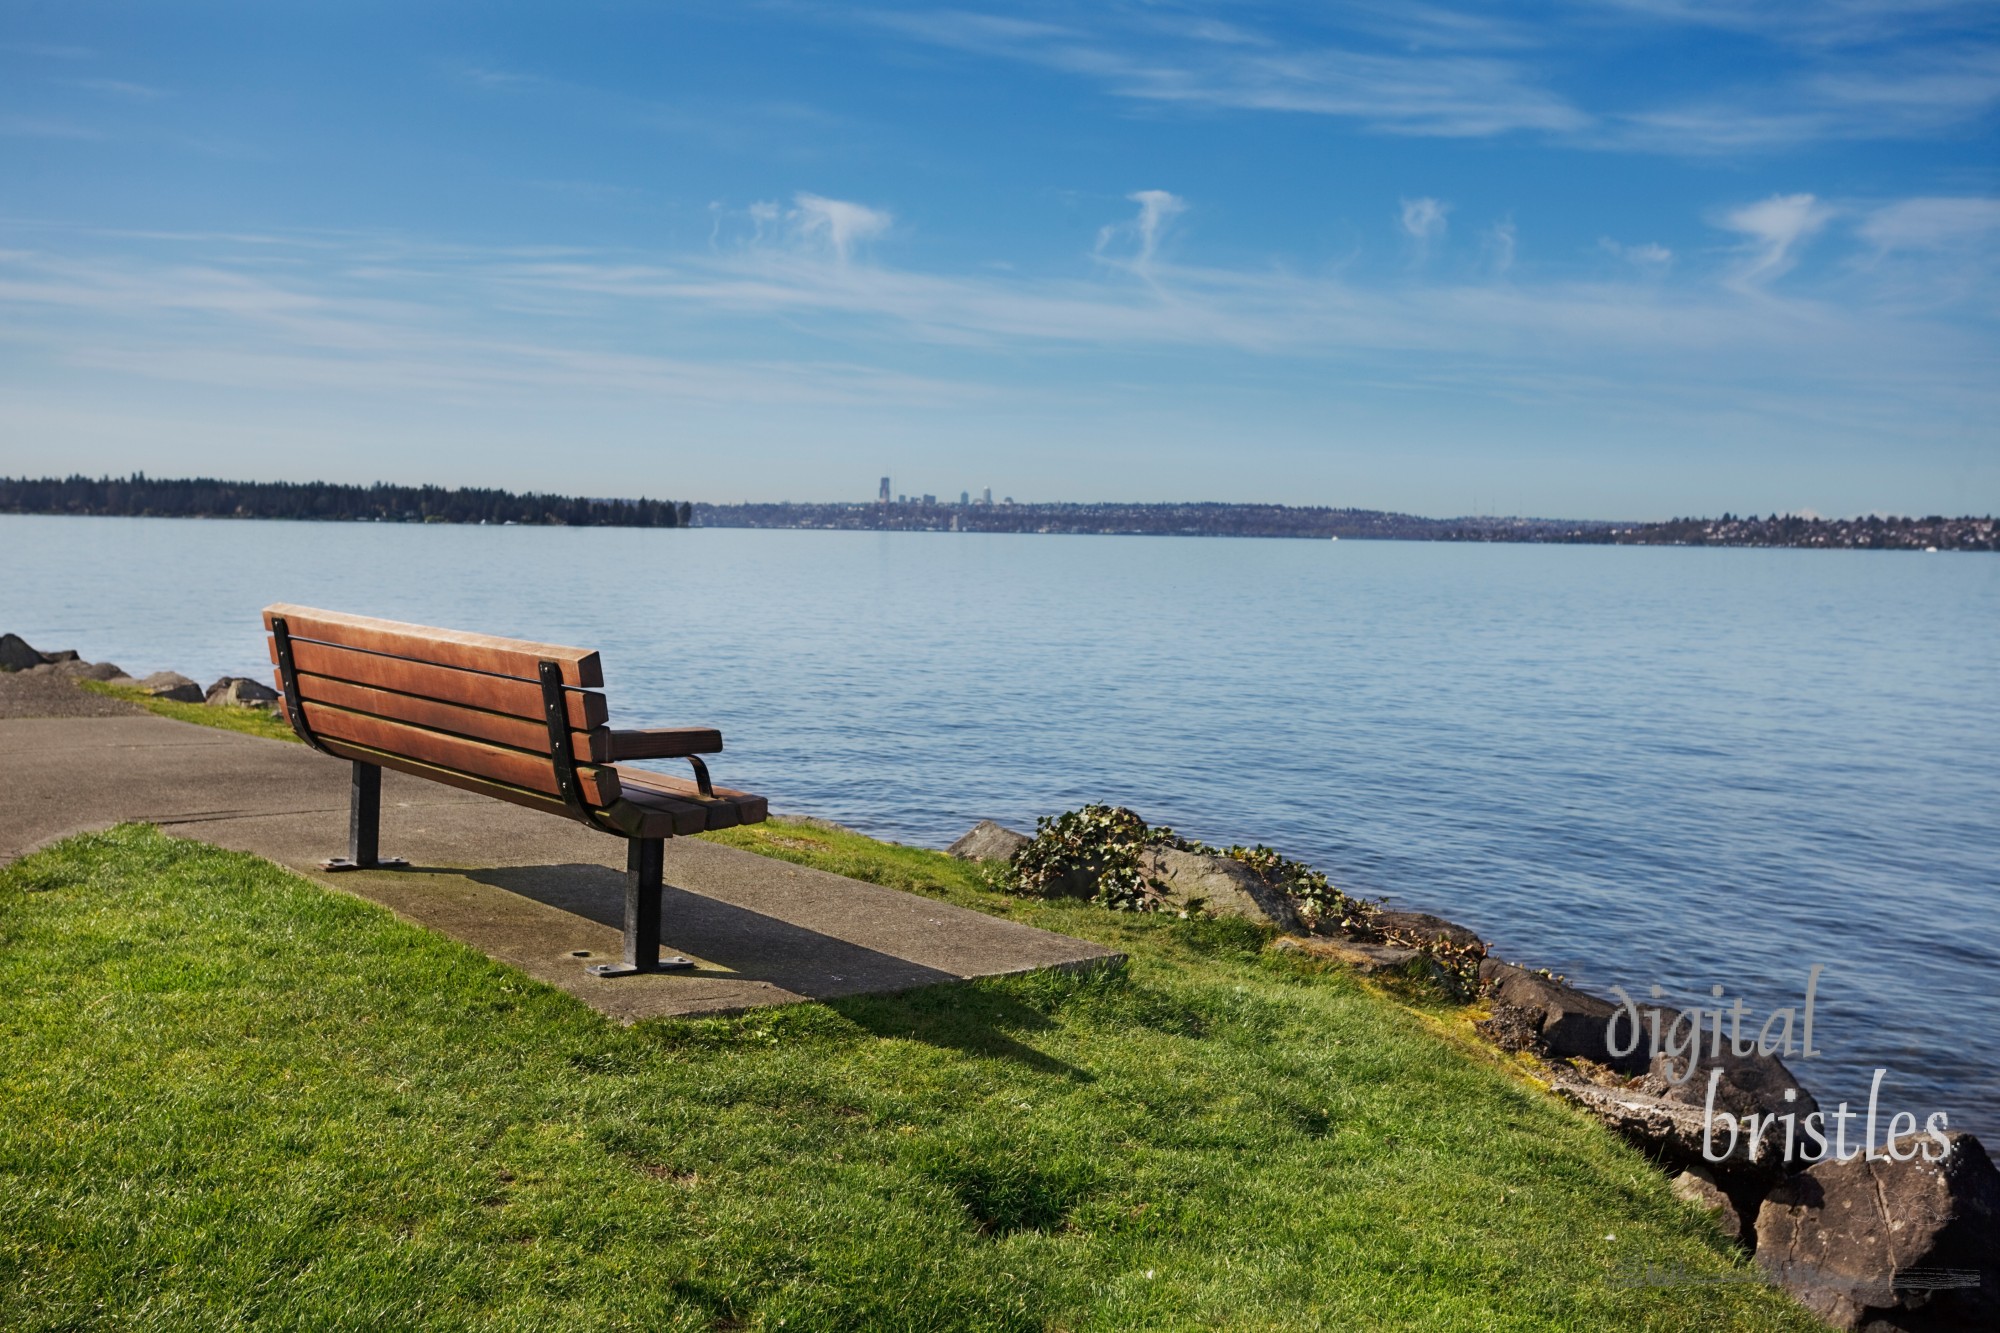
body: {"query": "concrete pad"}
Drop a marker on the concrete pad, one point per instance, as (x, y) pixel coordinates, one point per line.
(538, 892)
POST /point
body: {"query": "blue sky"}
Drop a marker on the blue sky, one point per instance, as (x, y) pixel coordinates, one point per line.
(1628, 258)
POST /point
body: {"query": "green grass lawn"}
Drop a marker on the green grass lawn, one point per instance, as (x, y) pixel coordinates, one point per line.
(232, 1098)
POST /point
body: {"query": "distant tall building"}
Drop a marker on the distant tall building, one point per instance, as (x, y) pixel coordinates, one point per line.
(965, 497)
(883, 498)
(986, 496)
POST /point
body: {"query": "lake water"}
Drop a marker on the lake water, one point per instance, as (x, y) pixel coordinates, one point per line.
(1630, 765)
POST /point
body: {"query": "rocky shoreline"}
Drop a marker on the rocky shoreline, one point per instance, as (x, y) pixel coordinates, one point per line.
(1873, 1241)
(24, 662)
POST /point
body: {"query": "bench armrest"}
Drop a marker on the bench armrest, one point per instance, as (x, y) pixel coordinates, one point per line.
(662, 743)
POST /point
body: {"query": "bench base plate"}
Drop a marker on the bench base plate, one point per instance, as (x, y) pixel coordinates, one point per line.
(674, 964)
(349, 863)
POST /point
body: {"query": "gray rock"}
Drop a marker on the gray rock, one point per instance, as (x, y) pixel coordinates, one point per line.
(1890, 1245)
(16, 655)
(989, 841)
(1696, 1185)
(1367, 959)
(1570, 1022)
(241, 690)
(1424, 926)
(172, 685)
(1672, 1132)
(1750, 1085)
(1217, 885)
(80, 670)
(66, 655)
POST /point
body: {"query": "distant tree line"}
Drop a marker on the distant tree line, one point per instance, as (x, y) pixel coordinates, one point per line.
(1876, 532)
(140, 496)
(1197, 519)
(1214, 519)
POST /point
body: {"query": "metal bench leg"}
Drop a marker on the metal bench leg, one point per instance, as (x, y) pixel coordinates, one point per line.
(644, 872)
(364, 825)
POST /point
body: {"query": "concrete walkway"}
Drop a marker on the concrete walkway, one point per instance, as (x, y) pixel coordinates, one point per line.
(541, 893)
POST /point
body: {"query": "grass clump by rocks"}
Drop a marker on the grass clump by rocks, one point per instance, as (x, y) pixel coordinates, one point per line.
(247, 718)
(1098, 853)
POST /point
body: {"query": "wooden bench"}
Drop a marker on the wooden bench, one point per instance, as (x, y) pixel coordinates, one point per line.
(507, 718)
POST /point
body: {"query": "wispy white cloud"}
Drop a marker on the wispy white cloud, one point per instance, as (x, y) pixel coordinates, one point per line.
(837, 223)
(1424, 222)
(1208, 63)
(137, 92)
(1932, 223)
(1851, 70)
(1424, 218)
(1776, 227)
(492, 77)
(1821, 24)
(459, 324)
(1647, 254)
(1501, 243)
(1855, 98)
(1157, 211)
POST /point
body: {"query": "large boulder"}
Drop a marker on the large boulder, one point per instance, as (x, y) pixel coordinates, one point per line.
(1367, 959)
(241, 690)
(17, 655)
(1910, 1246)
(172, 685)
(1569, 1023)
(81, 670)
(1751, 1084)
(1216, 885)
(1677, 1135)
(987, 841)
(1423, 926)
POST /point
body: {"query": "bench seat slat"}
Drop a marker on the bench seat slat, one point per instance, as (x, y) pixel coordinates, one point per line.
(680, 817)
(599, 786)
(726, 809)
(588, 747)
(495, 694)
(519, 658)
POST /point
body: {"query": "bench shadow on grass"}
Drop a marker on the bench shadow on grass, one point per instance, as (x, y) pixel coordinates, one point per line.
(962, 1017)
(881, 992)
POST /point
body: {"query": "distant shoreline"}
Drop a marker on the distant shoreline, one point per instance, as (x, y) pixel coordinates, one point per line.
(144, 497)
(1212, 519)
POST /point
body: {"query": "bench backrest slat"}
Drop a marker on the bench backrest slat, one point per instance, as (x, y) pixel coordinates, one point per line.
(451, 777)
(443, 647)
(446, 702)
(440, 749)
(469, 689)
(479, 724)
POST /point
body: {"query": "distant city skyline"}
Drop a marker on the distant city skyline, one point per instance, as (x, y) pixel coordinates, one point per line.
(1629, 259)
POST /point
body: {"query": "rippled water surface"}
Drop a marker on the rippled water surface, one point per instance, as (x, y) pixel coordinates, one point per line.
(1633, 766)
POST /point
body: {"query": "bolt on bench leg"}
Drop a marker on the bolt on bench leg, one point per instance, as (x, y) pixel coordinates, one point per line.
(645, 862)
(364, 825)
